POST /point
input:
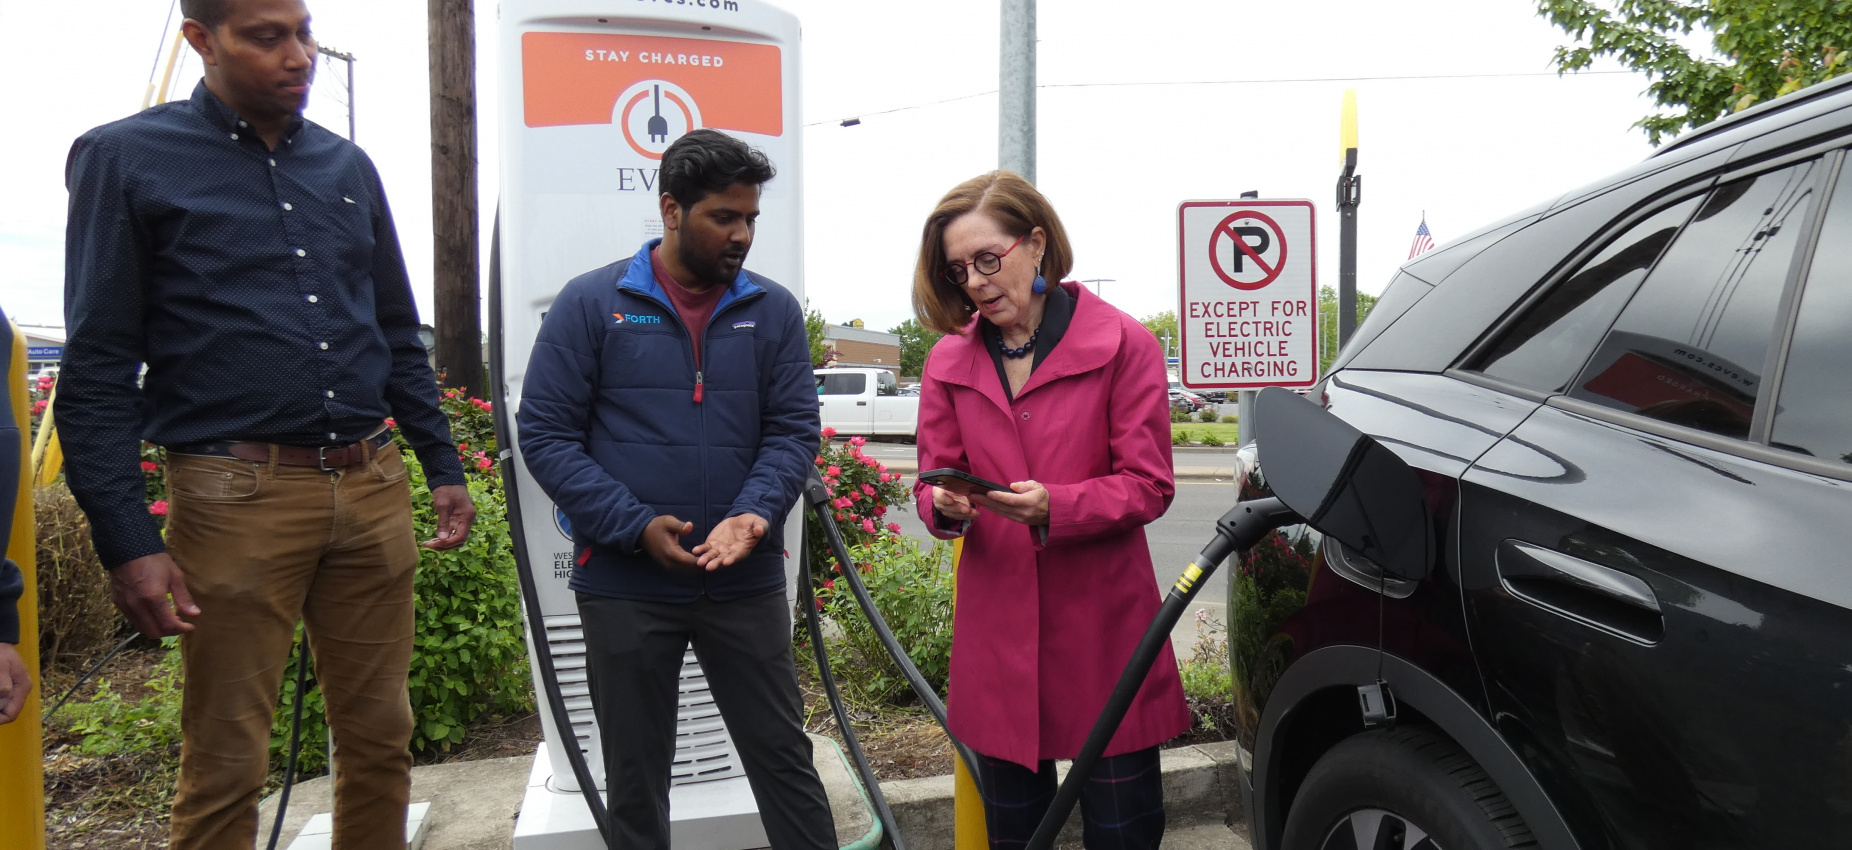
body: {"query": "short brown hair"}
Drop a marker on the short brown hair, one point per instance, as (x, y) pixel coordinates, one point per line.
(1017, 208)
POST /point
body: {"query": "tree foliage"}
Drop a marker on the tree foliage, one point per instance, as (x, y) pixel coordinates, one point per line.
(1328, 323)
(813, 328)
(916, 341)
(1164, 327)
(1768, 47)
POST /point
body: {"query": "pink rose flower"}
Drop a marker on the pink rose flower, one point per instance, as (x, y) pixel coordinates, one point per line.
(149, 466)
(834, 471)
(484, 463)
(858, 441)
(159, 508)
(829, 432)
(868, 489)
(894, 527)
(829, 584)
(868, 525)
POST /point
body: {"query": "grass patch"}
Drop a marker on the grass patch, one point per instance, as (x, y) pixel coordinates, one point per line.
(1228, 432)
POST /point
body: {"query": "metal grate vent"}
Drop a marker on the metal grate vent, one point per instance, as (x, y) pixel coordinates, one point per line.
(703, 750)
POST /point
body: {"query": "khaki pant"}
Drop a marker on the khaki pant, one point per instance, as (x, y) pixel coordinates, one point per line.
(262, 546)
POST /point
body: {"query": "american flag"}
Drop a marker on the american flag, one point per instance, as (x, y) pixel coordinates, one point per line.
(1424, 241)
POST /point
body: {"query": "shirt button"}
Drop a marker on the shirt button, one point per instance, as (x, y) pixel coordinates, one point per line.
(301, 253)
(1025, 416)
(287, 207)
(242, 124)
(331, 393)
(331, 436)
(313, 299)
(234, 137)
(324, 347)
(273, 163)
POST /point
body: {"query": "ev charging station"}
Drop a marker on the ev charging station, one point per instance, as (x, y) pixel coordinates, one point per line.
(592, 92)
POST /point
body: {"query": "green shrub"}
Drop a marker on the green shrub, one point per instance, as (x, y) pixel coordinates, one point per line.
(1231, 418)
(862, 490)
(911, 585)
(1178, 414)
(1208, 414)
(1210, 439)
(111, 727)
(1179, 437)
(1206, 675)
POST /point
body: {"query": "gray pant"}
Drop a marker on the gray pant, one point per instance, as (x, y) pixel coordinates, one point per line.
(634, 655)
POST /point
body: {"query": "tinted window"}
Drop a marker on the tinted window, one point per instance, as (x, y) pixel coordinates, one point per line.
(1690, 347)
(885, 384)
(845, 383)
(1815, 412)
(1552, 341)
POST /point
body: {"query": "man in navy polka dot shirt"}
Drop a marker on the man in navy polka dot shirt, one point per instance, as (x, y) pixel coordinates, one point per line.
(246, 257)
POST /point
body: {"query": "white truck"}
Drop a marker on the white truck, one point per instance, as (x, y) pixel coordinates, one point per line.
(866, 402)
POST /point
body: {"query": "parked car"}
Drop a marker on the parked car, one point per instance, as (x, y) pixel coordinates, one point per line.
(868, 402)
(1630, 409)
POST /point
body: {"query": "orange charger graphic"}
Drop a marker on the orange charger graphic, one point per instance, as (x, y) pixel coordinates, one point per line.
(654, 88)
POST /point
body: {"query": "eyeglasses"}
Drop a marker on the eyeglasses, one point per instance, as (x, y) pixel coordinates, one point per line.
(986, 262)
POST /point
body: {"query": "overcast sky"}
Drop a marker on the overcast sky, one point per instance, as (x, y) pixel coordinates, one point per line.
(1143, 105)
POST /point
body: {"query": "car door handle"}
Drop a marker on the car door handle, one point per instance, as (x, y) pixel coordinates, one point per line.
(1583, 590)
(861, 404)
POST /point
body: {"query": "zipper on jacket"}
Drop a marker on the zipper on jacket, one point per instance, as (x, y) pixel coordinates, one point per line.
(698, 386)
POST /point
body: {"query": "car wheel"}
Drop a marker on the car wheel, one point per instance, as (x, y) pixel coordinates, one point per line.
(1409, 789)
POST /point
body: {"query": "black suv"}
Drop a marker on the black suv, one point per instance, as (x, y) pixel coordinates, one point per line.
(1630, 412)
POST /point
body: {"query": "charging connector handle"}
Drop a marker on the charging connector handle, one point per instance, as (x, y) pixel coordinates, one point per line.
(1238, 530)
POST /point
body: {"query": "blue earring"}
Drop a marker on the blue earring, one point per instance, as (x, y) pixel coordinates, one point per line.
(1040, 285)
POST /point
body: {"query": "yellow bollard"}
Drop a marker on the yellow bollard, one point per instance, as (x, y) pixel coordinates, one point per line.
(968, 829)
(22, 769)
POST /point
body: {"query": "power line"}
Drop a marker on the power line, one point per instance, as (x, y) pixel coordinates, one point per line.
(857, 118)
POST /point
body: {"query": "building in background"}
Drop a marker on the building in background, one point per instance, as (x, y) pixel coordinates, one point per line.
(857, 346)
(44, 347)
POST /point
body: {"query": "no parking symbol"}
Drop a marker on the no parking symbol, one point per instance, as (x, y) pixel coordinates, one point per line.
(1247, 250)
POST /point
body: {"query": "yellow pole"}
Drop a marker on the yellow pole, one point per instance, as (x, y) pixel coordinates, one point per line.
(968, 829)
(173, 54)
(22, 770)
(47, 455)
(1347, 125)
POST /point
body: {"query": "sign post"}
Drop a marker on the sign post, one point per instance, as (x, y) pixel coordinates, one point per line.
(1249, 295)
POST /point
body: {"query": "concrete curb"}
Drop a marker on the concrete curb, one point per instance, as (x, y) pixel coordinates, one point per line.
(1199, 789)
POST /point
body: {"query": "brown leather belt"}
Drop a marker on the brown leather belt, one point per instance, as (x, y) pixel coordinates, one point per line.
(326, 459)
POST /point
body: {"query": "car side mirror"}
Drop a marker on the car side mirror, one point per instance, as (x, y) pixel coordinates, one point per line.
(1344, 483)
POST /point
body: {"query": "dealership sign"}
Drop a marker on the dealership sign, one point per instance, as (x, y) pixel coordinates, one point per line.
(1249, 308)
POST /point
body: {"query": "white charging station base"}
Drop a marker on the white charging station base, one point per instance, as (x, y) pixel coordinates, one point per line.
(716, 815)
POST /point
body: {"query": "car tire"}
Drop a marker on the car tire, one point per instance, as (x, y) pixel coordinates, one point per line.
(1407, 789)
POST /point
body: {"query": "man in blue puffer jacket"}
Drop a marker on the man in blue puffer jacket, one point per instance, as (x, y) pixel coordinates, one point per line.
(670, 411)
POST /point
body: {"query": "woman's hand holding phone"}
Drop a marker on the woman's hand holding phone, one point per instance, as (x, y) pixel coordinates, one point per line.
(952, 506)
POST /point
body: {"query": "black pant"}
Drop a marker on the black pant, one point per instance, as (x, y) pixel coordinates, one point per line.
(634, 659)
(1121, 803)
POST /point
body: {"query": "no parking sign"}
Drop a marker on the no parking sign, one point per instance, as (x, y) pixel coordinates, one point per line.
(1249, 316)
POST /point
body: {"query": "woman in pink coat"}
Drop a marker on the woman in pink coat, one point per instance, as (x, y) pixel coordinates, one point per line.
(1053, 391)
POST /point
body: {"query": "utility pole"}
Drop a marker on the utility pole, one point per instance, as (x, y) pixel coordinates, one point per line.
(458, 319)
(1016, 90)
(1099, 285)
(1350, 196)
(332, 53)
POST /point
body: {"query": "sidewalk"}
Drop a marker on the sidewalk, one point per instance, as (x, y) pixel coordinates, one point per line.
(473, 805)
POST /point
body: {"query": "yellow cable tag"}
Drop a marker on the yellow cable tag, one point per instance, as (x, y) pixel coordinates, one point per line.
(1189, 577)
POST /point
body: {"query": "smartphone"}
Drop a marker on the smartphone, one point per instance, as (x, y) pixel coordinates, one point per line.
(961, 482)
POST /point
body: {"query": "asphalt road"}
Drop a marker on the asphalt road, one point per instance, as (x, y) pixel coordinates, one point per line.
(1174, 539)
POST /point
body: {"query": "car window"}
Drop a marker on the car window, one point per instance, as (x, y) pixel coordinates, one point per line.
(885, 384)
(847, 383)
(1814, 416)
(1690, 346)
(1551, 342)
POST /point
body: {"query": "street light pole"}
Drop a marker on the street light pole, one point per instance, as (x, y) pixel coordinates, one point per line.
(1016, 90)
(1097, 288)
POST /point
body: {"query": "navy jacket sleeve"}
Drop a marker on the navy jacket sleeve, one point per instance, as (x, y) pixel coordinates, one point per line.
(99, 403)
(789, 428)
(411, 391)
(555, 422)
(12, 584)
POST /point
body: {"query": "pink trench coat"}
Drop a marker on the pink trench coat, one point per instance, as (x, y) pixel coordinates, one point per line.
(1042, 631)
